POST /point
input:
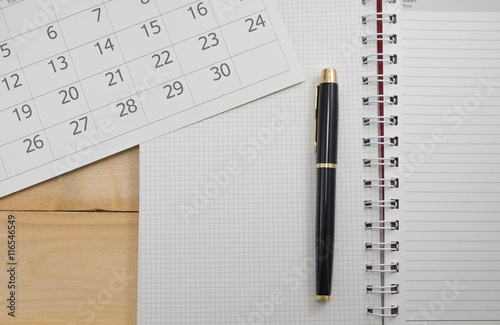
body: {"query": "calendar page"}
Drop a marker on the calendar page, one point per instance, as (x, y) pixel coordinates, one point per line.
(81, 80)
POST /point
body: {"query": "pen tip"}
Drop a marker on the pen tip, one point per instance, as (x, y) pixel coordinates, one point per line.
(329, 76)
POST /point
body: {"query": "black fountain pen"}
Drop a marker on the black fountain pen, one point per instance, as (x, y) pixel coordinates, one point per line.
(327, 114)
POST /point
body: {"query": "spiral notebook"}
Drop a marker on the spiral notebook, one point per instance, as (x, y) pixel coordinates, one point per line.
(228, 205)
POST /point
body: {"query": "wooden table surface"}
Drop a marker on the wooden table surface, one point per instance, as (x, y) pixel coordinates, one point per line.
(76, 247)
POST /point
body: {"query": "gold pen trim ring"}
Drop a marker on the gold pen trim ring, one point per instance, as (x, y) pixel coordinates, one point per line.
(324, 298)
(326, 165)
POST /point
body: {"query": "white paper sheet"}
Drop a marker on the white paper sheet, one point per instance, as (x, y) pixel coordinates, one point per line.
(81, 80)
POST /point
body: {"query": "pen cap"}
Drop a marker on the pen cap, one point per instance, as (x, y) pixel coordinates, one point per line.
(329, 76)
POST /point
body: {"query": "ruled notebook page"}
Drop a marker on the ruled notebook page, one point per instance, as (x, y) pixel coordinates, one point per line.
(227, 214)
(449, 171)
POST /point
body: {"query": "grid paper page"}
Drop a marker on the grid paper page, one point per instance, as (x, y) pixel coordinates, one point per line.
(227, 210)
(81, 80)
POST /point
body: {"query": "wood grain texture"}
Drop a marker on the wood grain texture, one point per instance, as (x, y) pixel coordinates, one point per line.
(72, 268)
(111, 184)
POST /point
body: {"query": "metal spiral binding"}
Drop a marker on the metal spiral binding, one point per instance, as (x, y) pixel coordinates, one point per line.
(382, 182)
(392, 289)
(391, 162)
(390, 120)
(384, 140)
(375, 37)
(375, 17)
(389, 1)
(387, 58)
(382, 225)
(393, 204)
(392, 311)
(392, 267)
(386, 78)
(391, 246)
(390, 100)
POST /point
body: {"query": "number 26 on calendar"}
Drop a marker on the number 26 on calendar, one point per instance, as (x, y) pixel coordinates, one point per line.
(34, 144)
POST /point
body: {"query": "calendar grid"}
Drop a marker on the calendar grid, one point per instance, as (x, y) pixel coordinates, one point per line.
(108, 140)
(280, 44)
(228, 51)
(126, 64)
(173, 47)
(68, 49)
(51, 23)
(76, 72)
(139, 92)
(85, 78)
(12, 71)
(151, 123)
(31, 95)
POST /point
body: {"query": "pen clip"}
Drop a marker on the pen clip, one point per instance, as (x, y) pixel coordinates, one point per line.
(316, 122)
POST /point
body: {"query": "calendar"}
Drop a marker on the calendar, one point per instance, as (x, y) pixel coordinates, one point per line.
(81, 80)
